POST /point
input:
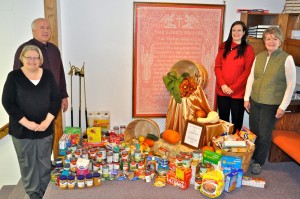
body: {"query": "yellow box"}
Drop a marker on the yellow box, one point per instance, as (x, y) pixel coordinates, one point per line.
(93, 135)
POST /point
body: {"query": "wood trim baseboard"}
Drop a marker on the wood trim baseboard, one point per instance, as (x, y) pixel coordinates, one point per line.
(3, 131)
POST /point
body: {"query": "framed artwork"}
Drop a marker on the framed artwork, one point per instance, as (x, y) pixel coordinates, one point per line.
(165, 33)
(193, 135)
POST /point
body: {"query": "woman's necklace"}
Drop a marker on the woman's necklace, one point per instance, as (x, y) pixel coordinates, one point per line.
(234, 47)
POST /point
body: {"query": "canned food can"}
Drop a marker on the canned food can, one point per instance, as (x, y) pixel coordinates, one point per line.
(116, 157)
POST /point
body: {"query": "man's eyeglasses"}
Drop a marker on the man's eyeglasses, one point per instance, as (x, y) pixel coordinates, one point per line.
(32, 58)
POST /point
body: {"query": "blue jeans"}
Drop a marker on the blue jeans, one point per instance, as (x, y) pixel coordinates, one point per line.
(262, 121)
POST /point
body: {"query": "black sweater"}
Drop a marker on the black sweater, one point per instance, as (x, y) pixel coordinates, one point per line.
(21, 98)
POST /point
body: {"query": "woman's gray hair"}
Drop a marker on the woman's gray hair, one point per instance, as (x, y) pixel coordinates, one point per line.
(34, 48)
(274, 30)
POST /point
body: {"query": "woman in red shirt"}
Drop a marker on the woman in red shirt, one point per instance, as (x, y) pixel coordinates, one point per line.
(232, 68)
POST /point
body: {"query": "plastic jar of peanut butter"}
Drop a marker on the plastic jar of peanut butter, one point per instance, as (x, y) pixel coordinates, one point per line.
(63, 184)
(89, 180)
(71, 182)
(80, 181)
(96, 179)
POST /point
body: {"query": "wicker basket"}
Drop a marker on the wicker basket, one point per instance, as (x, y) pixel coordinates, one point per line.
(194, 69)
(140, 127)
(246, 156)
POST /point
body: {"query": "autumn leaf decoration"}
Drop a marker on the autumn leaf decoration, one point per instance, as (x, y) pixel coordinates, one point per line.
(180, 86)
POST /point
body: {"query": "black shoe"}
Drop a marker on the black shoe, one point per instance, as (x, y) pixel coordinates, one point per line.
(256, 169)
(35, 196)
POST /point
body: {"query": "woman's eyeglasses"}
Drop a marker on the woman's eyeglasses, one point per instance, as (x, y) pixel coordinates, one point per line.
(32, 58)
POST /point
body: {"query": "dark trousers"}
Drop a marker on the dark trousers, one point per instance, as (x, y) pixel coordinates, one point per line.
(262, 121)
(227, 105)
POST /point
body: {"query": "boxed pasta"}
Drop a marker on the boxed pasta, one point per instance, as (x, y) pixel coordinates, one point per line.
(253, 182)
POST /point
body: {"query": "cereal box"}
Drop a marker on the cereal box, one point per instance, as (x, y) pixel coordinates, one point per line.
(246, 134)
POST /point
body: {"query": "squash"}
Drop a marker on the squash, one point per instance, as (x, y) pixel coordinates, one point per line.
(149, 141)
(171, 136)
(212, 117)
(208, 147)
(201, 113)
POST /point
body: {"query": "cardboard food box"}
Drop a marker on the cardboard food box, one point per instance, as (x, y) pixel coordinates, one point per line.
(176, 182)
(246, 134)
(94, 136)
(210, 157)
(183, 174)
(253, 182)
(75, 133)
(230, 162)
(231, 181)
(240, 174)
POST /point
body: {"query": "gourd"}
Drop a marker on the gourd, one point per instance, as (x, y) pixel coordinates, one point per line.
(201, 113)
(171, 136)
(212, 117)
(208, 147)
(149, 141)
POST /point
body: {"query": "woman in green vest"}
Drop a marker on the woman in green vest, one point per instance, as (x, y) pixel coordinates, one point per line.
(269, 90)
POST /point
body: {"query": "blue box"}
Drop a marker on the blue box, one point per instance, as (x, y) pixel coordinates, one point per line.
(231, 181)
(230, 162)
(240, 174)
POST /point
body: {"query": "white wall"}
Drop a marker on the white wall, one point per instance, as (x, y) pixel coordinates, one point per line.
(15, 22)
(99, 33)
(102, 37)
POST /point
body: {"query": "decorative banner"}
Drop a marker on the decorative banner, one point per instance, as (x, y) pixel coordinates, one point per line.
(165, 33)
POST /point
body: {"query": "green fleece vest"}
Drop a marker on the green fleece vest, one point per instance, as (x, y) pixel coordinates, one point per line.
(269, 86)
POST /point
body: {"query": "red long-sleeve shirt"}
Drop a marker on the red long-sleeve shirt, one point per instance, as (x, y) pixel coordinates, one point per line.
(233, 72)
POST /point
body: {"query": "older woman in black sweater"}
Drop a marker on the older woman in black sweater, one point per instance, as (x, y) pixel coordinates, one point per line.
(32, 100)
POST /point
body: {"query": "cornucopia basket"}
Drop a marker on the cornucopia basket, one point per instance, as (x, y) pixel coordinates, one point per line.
(141, 127)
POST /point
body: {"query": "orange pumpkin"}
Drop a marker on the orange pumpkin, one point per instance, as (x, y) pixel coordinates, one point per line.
(201, 113)
(208, 147)
(171, 136)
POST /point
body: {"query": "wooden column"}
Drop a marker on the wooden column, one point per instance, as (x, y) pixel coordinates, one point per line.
(50, 8)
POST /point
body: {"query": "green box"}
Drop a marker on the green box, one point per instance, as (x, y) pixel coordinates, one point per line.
(210, 157)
